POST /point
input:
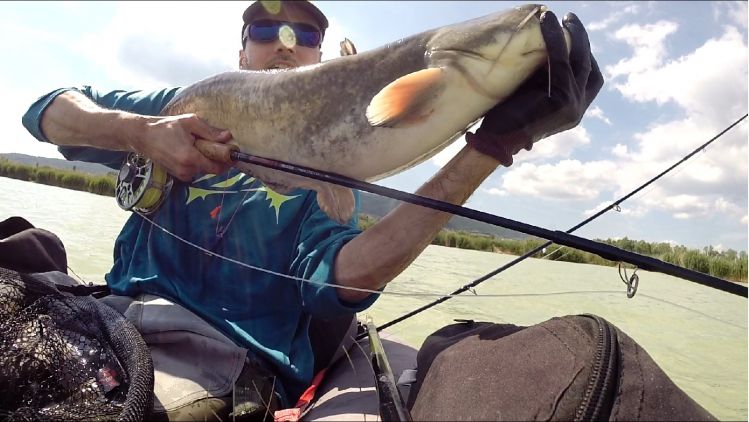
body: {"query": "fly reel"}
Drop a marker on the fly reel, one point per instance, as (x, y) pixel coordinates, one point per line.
(141, 185)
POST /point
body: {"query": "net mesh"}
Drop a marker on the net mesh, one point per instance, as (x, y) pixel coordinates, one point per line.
(65, 357)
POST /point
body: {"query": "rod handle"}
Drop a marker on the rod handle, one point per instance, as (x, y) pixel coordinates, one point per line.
(216, 151)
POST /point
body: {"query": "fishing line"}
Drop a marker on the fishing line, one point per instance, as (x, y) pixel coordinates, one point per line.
(358, 289)
(657, 299)
(617, 293)
(559, 249)
(584, 222)
(78, 277)
(417, 295)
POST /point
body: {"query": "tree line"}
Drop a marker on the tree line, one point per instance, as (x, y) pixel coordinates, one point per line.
(728, 265)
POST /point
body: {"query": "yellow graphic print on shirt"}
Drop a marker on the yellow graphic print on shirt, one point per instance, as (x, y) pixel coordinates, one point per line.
(235, 185)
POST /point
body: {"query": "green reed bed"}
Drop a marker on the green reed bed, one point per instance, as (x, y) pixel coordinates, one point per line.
(69, 179)
(729, 265)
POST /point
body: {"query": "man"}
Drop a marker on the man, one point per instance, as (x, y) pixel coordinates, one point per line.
(267, 314)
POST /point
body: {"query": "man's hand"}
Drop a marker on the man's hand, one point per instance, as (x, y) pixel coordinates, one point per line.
(552, 100)
(72, 119)
(170, 142)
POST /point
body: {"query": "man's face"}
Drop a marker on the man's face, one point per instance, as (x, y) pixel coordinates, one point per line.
(268, 55)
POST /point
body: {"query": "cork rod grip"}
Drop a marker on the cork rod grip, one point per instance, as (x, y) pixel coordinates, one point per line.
(216, 151)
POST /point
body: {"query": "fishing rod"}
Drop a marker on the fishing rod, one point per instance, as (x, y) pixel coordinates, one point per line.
(392, 407)
(530, 253)
(230, 153)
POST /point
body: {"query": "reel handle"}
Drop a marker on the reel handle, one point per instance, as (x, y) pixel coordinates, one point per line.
(216, 151)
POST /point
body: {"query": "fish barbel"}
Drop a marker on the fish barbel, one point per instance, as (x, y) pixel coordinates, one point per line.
(371, 115)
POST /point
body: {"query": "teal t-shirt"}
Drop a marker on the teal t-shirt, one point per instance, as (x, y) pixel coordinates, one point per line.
(236, 216)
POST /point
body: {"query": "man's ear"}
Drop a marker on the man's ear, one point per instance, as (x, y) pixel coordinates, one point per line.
(242, 59)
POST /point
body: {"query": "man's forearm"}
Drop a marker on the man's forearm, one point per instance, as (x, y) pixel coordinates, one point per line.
(383, 251)
(73, 119)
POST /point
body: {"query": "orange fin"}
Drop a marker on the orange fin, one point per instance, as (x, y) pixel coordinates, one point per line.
(407, 100)
(336, 201)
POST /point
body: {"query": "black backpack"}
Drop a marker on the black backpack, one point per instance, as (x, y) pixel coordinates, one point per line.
(577, 367)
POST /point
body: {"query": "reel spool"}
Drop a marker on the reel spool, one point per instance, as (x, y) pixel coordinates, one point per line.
(141, 185)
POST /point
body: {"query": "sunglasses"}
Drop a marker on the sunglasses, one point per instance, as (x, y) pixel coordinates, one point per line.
(267, 30)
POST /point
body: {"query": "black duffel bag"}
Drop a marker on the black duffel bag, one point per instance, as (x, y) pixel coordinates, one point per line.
(577, 367)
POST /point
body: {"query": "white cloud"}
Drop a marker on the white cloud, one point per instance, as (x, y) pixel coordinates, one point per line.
(719, 172)
(556, 146)
(29, 35)
(690, 205)
(620, 151)
(613, 18)
(633, 210)
(496, 192)
(710, 86)
(74, 6)
(723, 205)
(710, 81)
(567, 179)
(649, 51)
(15, 137)
(152, 54)
(710, 183)
(734, 11)
(628, 209)
(559, 145)
(684, 206)
(668, 141)
(596, 113)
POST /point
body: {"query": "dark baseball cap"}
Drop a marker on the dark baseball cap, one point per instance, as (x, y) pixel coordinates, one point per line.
(258, 7)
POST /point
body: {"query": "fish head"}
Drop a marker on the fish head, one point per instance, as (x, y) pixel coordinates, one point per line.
(494, 53)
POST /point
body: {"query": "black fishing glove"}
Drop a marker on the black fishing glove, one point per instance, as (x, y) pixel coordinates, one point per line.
(552, 100)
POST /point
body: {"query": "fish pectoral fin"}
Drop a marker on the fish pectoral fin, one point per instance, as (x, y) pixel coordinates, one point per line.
(407, 100)
(336, 201)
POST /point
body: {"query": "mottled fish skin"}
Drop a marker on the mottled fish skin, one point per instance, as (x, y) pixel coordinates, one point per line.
(316, 116)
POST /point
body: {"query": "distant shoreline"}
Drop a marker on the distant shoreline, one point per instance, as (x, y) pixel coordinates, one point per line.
(730, 265)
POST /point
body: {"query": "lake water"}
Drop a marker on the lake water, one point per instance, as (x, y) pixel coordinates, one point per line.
(698, 335)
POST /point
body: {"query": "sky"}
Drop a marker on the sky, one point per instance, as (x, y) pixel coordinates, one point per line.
(675, 76)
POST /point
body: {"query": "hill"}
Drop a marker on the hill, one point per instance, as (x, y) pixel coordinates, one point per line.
(373, 205)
